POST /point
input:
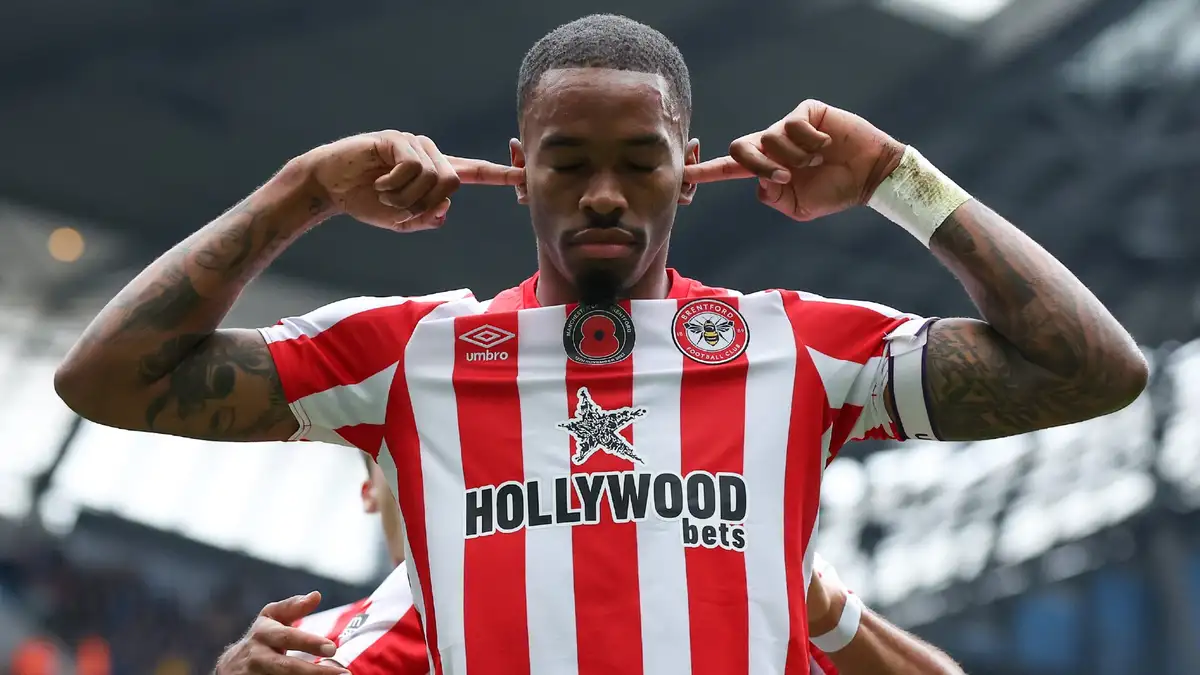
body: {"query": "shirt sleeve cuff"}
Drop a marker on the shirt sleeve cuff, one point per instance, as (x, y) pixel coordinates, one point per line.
(303, 421)
(906, 373)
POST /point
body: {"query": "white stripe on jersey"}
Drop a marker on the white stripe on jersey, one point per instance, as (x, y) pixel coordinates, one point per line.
(546, 451)
(768, 398)
(427, 363)
(662, 569)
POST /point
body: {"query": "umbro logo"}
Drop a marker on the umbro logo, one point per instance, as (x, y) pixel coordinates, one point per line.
(487, 337)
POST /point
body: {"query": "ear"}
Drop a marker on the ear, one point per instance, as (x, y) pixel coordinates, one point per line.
(370, 504)
(691, 155)
(517, 156)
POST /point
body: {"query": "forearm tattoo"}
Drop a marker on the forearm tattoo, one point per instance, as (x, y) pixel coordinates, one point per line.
(1049, 352)
(159, 333)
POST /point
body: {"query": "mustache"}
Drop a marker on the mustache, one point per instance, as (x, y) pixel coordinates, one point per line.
(609, 221)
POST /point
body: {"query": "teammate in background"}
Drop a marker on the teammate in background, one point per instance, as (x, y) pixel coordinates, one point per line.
(287, 638)
(859, 641)
(381, 634)
(608, 496)
(850, 639)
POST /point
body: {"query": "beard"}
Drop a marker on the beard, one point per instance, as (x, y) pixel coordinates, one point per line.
(598, 287)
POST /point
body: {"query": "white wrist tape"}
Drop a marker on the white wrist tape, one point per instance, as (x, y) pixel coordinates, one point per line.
(837, 639)
(917, 197)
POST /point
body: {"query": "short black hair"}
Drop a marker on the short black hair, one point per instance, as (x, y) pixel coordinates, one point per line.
(606, 41)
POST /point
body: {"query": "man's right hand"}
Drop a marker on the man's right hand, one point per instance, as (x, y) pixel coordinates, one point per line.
(263, 650)
(396, 180)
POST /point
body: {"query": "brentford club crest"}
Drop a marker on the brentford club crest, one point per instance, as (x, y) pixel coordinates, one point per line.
(710, 331)
(598, 336)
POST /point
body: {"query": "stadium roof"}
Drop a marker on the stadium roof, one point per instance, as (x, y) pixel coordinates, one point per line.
(152, 120)
(156, 118)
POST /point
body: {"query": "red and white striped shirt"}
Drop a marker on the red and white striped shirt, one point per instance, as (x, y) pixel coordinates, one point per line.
(381, 630)
(329, 623)
(650, 514)
(389, 640)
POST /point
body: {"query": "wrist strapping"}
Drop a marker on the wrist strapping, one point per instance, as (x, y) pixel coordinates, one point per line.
(917, 197)
(847, 627)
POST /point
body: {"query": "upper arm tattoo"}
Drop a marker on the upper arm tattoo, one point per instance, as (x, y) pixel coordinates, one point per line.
(980, 387)
(222, 386)
(1049, 352)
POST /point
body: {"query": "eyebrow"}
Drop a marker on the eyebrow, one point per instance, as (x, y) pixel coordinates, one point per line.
(563, 141)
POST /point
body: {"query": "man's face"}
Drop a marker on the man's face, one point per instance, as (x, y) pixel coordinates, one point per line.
(603, 152)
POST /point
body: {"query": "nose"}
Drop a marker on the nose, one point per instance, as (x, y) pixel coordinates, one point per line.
(604, 195)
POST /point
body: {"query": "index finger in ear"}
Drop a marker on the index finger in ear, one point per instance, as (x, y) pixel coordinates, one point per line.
(483, 172)
(713, 170)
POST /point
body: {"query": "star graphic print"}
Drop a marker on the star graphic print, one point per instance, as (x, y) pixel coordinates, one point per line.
(595, 428)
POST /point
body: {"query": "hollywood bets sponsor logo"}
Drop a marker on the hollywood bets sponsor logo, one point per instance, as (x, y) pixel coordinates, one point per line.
(710, 508)
(710, 332)
(598, 335)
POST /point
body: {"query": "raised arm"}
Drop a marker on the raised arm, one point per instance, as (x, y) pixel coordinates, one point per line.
(1047, 351)
(153, 359)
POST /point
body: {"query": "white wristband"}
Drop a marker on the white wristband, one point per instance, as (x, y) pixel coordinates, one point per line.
(847, 627)
(917, 197)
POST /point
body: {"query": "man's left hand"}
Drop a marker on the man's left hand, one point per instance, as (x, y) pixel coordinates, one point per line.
(817, 161)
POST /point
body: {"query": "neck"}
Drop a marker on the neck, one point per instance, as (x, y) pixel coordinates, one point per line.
(555, 289)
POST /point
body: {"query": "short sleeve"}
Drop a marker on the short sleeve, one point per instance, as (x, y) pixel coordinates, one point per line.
(386, 637)
(864, 353)
(338, 363)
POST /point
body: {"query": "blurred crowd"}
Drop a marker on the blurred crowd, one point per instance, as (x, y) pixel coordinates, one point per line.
(111, 622)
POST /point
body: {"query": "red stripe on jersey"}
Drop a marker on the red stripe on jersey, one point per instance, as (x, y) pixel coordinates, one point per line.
(489, 428)
(844, 419)
(713, 431)
(405, 446)
(843, 330)
(349, 351)
(802, 482)
(365, 437)
(608, 613)
(399, 651)
(846, 331)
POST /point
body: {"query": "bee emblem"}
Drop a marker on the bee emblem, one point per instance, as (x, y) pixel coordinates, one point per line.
(711, 329)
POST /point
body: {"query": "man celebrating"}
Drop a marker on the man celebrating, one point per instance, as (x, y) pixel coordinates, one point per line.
(287, 638)
(609, 467)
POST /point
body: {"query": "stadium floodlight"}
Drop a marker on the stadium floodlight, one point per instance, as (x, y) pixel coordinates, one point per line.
(947, 14)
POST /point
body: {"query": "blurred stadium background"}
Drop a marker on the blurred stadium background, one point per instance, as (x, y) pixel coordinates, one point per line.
(1072, 551)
